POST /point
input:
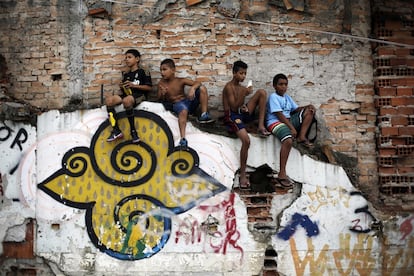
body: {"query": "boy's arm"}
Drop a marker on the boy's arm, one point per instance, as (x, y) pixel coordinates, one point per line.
(300, 108)
(143, 87)
(286, 121)
(146, 81)
(143, 82)
(162, 91)
(194, 86)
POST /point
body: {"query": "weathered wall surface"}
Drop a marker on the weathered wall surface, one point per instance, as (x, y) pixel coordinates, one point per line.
(60, 55)
(79, 59)
(93, 215)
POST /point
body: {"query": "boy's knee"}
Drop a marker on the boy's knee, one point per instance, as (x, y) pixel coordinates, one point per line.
(246, 142)
(203, 89)
(287, 142)
(109, 101)
(261, 92)
(183, 113)
(311, 109)
(128, 103)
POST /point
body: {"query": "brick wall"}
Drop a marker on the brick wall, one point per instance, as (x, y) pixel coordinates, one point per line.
(394, 84)
(72, 51)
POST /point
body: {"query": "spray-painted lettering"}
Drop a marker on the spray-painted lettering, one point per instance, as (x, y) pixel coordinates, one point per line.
(302, 220)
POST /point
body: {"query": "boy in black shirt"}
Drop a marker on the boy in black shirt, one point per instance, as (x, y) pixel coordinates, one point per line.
(135, 86)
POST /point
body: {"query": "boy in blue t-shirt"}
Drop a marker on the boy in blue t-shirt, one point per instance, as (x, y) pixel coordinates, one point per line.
(287, 121)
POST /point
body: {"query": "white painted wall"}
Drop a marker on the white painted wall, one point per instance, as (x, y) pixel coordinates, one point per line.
(327, 207)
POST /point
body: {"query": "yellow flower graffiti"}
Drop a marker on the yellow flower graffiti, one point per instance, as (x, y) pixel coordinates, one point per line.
(131, 191)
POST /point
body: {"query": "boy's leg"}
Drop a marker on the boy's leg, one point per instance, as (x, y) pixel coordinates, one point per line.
(181, 109)
(111, 102)
(129, 103)
(284, 155)
(116, 133)
(307, 118)
(282, 132)
(131, 118)
(259, 100)
(245, 140)
(234, 124)
(201, 98)
(182, 122)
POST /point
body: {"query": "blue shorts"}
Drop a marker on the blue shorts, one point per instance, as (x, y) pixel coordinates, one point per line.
(282, 131)
(236, 121)
(187, 104)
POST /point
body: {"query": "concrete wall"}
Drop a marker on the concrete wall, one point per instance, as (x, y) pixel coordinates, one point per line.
(94, 218)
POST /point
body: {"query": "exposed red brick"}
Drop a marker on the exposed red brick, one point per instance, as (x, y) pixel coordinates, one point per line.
(389, 131)
(399, 101)
(21, 250)
(404, 91)
(387, 170)
(383, 152)
(409, 62)
(405, 110)
(385, 51)
(387, 91)
(193, 2)
(406, 131)
(410, 82)
(388, 111)
(393, 24)
(399, 120)
(398, 61)
(398, 141)
(98, 11)
(402, 52)
(398, 82)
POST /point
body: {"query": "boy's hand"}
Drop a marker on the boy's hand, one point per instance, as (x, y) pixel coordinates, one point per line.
(191, 94)
(163, 89)
(310, 108)
(127, 84)
(294, 132)
(249, 90)
(243, 109)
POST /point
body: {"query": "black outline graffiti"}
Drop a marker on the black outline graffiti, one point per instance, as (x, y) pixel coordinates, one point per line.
(365, 210)
(16, 141)
(78, 160)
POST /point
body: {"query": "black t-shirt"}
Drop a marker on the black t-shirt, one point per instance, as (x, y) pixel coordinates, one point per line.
(142, 77)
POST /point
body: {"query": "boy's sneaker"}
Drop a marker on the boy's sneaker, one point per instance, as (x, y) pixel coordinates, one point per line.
(135, 137)
(205, 118)
(183, 143)
(115, 134)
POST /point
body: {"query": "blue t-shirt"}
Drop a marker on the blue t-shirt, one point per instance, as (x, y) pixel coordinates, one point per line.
(276, 103)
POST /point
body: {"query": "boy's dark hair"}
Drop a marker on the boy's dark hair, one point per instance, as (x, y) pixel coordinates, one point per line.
(237, 65)
(169, 62)
(134, 52)
(277, 77)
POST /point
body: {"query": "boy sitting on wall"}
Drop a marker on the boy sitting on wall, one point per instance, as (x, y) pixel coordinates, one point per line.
(171, 91)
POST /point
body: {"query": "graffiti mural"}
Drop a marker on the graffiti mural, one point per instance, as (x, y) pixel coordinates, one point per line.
(14, 139)
(302, 220)
(131, 191)
(363, 223)
(406, 227)
(214, 235)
